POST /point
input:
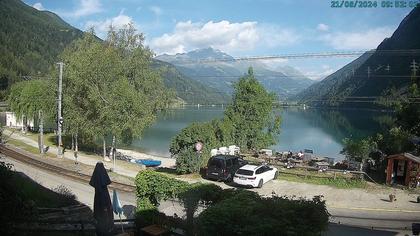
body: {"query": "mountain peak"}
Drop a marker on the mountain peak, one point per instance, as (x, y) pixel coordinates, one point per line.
(209, 53)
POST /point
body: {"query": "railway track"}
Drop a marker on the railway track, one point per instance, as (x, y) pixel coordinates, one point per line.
(24, 158)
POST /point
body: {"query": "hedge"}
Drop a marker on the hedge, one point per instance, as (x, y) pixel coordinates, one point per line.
(239, 211)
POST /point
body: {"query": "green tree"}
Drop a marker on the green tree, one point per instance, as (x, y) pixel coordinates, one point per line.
(358, 150)
(248, 122)
(251, 114)
(112, 86)
(33, 100)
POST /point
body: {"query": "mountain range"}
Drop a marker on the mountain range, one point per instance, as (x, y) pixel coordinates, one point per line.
(31, 41)
(374, 74)
(219, 70)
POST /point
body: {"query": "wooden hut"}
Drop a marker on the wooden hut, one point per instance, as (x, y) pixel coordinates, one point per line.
(403, 169)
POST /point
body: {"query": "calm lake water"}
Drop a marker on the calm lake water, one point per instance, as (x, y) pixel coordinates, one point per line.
(321, 130)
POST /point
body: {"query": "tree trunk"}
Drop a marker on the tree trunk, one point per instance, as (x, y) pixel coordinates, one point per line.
(76, 146)
(23, 124)
(114, 150)
(104, 147)
(41, 132)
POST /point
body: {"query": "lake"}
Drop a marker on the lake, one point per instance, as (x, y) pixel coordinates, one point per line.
(321, 130)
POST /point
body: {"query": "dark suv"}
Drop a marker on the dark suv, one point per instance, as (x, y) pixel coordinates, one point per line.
(223, 167)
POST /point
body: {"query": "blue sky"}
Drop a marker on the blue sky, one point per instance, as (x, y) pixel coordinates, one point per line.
(240, 27)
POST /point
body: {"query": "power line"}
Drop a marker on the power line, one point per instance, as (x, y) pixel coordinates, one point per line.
(409, 52)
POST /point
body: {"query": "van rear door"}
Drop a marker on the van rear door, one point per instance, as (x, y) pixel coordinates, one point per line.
(214, 168)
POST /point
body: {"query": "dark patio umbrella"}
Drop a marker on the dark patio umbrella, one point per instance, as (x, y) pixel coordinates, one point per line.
(102, 208)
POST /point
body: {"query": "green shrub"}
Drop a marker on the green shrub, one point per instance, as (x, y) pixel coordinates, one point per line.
(189, 161)
(246, 213)
(239, 211)
(152, 187)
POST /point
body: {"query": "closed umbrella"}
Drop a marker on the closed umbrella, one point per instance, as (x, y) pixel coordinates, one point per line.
(102, 208)
(116, 205)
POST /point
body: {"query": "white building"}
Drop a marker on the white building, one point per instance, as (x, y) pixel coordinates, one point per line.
(8, 119)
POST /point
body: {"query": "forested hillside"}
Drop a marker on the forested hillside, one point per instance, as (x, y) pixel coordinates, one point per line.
(187, 89)
(30, 41)
(374, 74)
(222, 71)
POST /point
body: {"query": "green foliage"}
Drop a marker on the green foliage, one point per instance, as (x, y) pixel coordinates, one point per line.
(249, 122)
(341, 87)
(339, 182)
(189, 90)
(240, 212)
(27, 98)
(358, 150)
(182, 145)
(251, 114)
(30, 41)
(110, 87)
(152, 187)
(246, 213)
(395, 141)
(189, 161)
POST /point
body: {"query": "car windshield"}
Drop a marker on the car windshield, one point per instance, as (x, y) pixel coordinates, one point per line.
(245, 172)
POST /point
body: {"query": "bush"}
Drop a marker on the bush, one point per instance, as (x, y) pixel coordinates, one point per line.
(246, 213)
(65, 193)
(152, 187)
(241, 212)
(189, 161)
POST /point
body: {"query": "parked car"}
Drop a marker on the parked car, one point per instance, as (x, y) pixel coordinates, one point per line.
(254, 176)
(223, 167)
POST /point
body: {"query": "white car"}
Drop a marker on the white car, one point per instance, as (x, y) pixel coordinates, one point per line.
(254, 176)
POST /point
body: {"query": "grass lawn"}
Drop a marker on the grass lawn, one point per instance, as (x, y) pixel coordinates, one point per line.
(27, 147)
(344, 183)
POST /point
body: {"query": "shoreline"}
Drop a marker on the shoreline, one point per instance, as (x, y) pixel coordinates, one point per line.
(166, 161)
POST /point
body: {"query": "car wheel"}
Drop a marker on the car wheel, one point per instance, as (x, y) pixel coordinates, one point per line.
(260, 184)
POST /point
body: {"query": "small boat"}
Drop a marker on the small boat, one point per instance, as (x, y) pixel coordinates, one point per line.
(149, 162)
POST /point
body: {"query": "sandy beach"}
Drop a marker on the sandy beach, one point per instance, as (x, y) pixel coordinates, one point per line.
(166, 161)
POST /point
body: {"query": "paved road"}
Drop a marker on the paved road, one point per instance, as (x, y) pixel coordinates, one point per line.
(84, 192)
(343, 222)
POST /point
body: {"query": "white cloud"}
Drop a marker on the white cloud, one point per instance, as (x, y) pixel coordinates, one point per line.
(85, 8)
(38, 6)
(322, 27)
(156, 10)
(357, 40)
(102, 27)
(223, 35)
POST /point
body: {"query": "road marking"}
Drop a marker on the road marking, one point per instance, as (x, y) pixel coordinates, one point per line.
(375, 209)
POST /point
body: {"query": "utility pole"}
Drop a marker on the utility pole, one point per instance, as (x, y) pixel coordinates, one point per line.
(414, 68)
(59, 116)
(41, 132)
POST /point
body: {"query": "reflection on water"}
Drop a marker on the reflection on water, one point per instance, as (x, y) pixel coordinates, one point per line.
(319, 129)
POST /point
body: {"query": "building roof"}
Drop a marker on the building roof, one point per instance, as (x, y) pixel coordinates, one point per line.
(406, 155)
